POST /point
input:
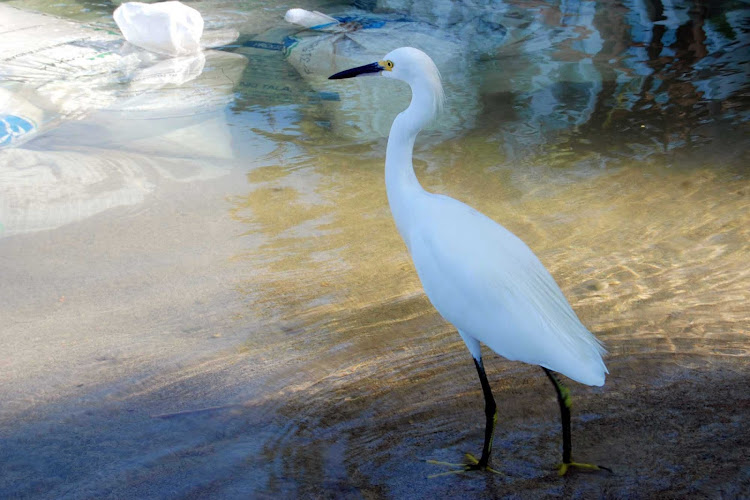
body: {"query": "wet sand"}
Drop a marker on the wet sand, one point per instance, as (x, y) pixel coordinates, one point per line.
(106, 301)
(246, 336)
(669, 427)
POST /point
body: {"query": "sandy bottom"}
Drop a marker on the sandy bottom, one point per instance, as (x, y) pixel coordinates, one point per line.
(669, 428)
(217, 343)
(257, 330)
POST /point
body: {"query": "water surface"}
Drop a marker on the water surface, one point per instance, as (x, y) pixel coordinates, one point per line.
(205, 295)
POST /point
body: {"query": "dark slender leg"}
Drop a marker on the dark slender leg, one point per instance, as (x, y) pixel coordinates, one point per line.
(490, 411)
(563, 398)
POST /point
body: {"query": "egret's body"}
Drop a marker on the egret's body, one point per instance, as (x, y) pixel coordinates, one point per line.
(478, 275)
(514, 306)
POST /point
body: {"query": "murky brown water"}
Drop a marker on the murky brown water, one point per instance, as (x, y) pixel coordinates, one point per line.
(233, 315)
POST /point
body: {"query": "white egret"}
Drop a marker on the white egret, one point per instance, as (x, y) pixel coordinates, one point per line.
(478, 275)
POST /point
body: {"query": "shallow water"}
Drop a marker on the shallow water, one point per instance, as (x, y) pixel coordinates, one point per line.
(217, 303)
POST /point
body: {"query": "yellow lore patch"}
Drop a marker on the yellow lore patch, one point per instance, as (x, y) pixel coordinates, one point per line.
(387, 65)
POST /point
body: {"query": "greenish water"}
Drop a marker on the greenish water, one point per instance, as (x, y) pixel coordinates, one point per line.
(205, 295)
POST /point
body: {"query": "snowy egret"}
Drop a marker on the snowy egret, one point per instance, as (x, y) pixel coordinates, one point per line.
(478, 275)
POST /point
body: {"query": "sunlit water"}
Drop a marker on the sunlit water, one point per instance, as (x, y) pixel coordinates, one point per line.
(205, 295)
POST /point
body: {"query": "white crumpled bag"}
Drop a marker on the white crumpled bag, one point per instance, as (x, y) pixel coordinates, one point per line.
(170, 28)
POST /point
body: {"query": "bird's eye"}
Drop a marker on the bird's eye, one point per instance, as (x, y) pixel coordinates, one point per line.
(387, 65)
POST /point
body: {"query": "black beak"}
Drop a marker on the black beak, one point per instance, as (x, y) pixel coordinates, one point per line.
(360, 70)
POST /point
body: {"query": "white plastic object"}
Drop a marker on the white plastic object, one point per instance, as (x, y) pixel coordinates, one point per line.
(309, 19)
(170, 28)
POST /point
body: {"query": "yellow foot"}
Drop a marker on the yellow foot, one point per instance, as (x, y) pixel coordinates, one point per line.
(563, 468)
(472, 463)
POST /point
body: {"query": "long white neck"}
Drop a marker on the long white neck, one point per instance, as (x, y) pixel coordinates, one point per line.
(401, 182)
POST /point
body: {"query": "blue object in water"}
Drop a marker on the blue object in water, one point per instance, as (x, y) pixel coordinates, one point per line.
(12, 127)
(257, 44)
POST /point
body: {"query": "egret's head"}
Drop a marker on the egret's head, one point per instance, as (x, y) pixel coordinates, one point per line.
(406, 64)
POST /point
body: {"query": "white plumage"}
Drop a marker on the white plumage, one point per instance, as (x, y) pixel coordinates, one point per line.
(487, 283)
(477, 274)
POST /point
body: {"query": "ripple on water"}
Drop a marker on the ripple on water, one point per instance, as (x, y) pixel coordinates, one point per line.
(609, 136)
